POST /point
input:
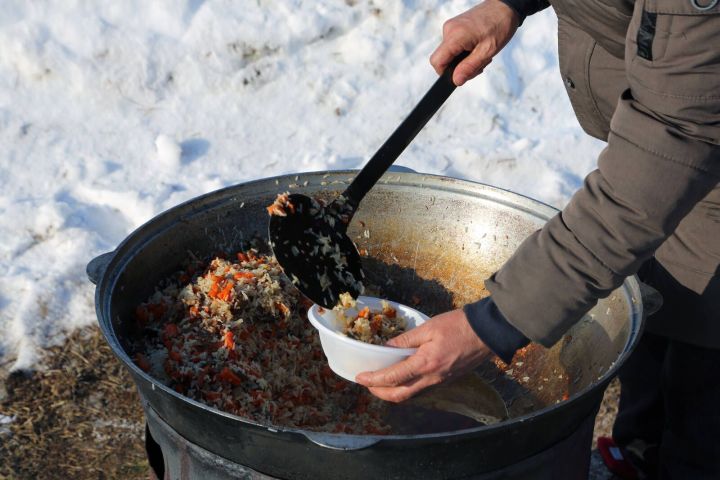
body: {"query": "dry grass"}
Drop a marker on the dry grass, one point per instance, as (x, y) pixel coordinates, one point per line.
(79, 418)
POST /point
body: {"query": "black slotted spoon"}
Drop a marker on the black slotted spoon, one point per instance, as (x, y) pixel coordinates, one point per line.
(309, 239)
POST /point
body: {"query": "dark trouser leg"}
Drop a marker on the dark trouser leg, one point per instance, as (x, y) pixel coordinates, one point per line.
(690, 447)
(639, 424)
(670, 393)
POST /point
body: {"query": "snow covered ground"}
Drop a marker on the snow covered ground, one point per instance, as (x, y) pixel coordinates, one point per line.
(111, 112)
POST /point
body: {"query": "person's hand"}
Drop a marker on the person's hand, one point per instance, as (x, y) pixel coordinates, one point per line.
(447, 346)
(483, 31)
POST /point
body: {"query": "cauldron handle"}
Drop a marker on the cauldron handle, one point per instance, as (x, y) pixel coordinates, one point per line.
(96, 268)
(652, 300)
(341, 442)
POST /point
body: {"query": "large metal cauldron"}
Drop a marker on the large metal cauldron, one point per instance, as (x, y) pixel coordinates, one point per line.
(431, 236)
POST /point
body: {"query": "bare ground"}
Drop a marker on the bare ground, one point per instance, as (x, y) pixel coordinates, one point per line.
(80, 417)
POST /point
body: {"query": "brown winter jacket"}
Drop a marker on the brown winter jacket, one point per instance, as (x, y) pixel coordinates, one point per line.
(645, 76)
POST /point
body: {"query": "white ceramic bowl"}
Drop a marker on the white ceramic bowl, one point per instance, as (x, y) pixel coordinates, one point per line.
(348, 357)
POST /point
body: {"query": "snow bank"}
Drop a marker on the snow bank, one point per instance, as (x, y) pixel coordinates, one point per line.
(111, 112)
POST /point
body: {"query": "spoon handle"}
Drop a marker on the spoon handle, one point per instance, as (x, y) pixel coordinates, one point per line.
(403, 135)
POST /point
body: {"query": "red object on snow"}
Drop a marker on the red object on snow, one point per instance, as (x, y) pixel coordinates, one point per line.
(614, 459)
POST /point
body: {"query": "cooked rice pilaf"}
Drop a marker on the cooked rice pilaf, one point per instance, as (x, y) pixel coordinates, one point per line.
(369, 326)
(320, 247)
(234, 335)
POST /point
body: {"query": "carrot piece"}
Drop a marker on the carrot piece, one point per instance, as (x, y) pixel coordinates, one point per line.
(226, 293)
(229, 376)
(229, 340)
(194, 311)
(212, 396)
(157, 310)
(141, 314)
(276, 210)
(306, 397)
(389, 312)
(170, 369)
(283, 309)
(364, 313)
(243, 274)
(142, 362)
(242, 257)
(170, 330)
(376, 323)
(213, 293)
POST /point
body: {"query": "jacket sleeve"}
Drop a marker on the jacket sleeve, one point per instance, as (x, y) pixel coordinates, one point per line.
(662, 157)
(525, 8)
(493, 328)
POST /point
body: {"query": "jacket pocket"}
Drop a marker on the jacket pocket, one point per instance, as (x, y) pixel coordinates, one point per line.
(665, 22)
(575, 52)
(607, 80)
(673, 62)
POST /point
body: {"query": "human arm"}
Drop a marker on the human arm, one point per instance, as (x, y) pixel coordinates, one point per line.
(663, 156)
(483, 31)
(448, 345)
(525, 8)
